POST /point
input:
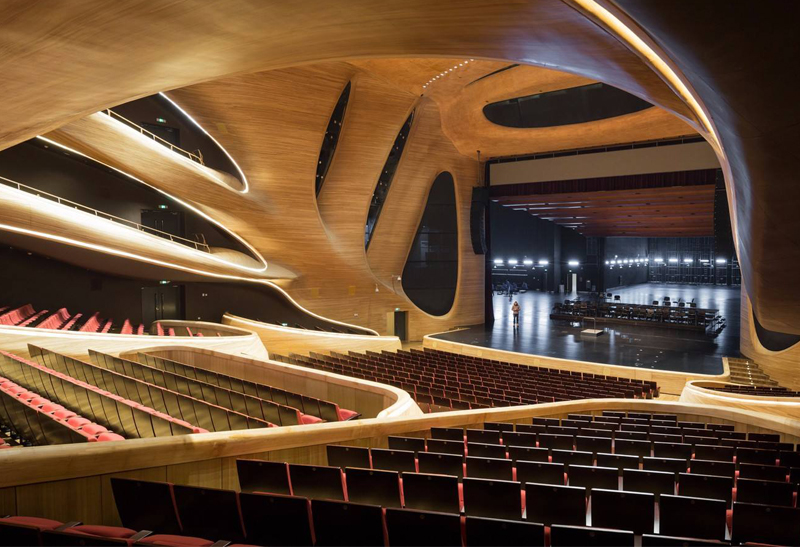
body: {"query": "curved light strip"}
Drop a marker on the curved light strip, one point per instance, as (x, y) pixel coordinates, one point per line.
(126, 254)
(258, 324)
(207, 134)
(185, 204)
(95, 336)
(655, 60)
(160, 149)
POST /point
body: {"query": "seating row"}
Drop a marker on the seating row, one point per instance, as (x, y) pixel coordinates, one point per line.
(123, 416)
(23, 530)
(32, 419)
(242, 405)
(27, 316)
(498, 461)
(608, 474)
(320, 408)
(296, 519)
(135, 399)
(439, 380)
(186, 408)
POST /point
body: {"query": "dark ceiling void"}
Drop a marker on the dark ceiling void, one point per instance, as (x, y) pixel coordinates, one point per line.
(430, 275)
(331, 138)
(385, 179)
(582, 104)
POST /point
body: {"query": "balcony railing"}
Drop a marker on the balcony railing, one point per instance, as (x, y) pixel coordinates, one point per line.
(129, 223)
(192, 156)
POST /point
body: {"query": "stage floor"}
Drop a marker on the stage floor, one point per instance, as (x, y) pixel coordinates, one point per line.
(633, 346)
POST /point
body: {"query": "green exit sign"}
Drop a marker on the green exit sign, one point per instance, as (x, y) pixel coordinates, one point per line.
(161, 120)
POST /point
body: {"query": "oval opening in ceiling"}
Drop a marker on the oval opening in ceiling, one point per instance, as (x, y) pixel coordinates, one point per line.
(430, 275)
(582, 104)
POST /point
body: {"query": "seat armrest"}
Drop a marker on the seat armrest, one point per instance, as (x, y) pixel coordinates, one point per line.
(140, 535)
(67, 525)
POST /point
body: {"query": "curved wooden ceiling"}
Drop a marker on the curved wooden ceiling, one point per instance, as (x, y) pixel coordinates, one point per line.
(64, 61)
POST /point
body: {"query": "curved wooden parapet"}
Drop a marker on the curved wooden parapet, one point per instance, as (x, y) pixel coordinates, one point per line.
(779, 365)
(73, 481)
(669, 382)
(371, 399)
(285, 340)
(698, 392)
(77, 344)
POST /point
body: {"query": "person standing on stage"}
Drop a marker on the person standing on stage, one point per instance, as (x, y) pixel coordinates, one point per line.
(515, 312)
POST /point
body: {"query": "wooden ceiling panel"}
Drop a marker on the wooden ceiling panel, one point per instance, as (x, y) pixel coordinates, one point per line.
(684, 211)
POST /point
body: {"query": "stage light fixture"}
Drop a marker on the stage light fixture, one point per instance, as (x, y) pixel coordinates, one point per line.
(688, 260)
(659, 260)
(527, 262)
(544, 262)
(721, 261)
(673, 260)
(498, 260)
(512, 261)
(573, 263)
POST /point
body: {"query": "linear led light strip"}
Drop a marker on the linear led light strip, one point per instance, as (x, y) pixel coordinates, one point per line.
(157, 148)
(207, 134)
(655, 60)
(177, 266)
(99, 336)
(126, 254)
(310, 333)
(185, 204)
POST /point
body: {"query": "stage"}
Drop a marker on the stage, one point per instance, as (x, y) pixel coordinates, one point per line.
(647, 347)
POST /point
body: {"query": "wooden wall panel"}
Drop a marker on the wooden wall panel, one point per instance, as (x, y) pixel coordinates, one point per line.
(8, 501)
(781, 366)
(698, 392)
(286, 340)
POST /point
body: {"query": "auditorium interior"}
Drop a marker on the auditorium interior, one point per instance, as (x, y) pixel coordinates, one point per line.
(399, 273)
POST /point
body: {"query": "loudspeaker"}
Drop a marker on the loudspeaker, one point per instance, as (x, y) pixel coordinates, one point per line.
(477, 220)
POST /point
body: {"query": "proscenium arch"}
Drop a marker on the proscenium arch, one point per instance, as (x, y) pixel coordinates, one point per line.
(523, 32)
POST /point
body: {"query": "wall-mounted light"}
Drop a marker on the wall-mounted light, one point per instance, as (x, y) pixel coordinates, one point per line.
(659, 260)
(673, 260)
(498, 261)
(573, 263)
(688, 260)
(606, 262)
(704, 260)
(544, 262)
(512, 261)
(721, 261)
(527, 262)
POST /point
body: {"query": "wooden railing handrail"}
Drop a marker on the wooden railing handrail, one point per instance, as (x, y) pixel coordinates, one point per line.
(107, 216)
(192, 156)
